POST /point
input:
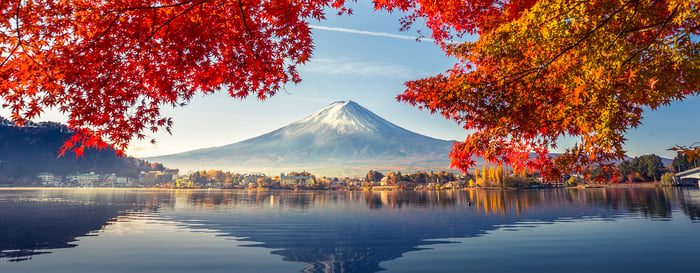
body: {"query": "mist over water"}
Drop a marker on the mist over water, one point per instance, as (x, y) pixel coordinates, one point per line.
(118, 230)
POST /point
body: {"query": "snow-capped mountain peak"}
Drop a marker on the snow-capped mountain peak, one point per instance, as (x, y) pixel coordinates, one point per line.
(343, 117)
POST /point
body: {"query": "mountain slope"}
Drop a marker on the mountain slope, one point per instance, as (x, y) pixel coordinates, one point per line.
(339, 137)
(29, 150)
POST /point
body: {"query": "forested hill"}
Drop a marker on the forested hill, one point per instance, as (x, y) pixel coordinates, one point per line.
(31, 149)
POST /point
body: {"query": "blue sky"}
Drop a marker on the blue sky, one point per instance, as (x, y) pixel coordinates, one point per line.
(364, 58)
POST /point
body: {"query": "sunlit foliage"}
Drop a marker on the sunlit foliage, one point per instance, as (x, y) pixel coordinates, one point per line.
(542, 70)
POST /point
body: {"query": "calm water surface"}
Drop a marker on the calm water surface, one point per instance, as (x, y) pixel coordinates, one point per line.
(567, 230)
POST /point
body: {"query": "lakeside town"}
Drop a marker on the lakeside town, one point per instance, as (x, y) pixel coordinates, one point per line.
(644, 170)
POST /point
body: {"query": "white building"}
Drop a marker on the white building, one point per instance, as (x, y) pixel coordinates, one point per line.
(49, 179)
(85, 179)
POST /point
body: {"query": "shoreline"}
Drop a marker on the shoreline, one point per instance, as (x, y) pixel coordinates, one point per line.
(587, 186)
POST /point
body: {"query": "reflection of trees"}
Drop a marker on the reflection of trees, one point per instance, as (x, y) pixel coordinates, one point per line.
(55, 218)
(328, 231)
(253, 198)
(649, 202)
(357, 231)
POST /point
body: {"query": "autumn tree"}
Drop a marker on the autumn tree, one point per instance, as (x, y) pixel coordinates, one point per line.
(393, 178)
(542, 70)
(682, 163)
(603, 175)
(112, 65)
(374, 176)
(646, 168)
(499, 175)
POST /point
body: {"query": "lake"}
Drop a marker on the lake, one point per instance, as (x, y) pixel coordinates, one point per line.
(546, 230)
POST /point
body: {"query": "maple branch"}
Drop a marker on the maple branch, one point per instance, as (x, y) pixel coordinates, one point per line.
(656, 37)
(645, 28)
(240, 6)
(100, 36)
(121, 11)
(585, 36)
(565, 50)
(172, 19)
(19, 37)
(153, 22)
(8, 56)
(622, 31)
(152, 7)
(546, 20)
(24, 50)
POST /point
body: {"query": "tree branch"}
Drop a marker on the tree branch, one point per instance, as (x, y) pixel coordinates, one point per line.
(94, 41)
(658, 33)
(586, 35)
(622, 31)
(152, 7)
(240, 6)
(172, 19)
(19, 37)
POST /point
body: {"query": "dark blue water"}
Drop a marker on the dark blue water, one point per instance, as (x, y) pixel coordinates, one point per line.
(567, 230)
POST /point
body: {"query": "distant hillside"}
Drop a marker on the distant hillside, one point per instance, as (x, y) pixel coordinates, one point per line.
(29, 150)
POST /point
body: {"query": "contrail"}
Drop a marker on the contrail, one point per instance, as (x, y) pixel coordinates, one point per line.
(382, 34)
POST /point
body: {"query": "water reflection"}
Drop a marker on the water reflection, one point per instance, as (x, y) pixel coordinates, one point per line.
(651, 202)
(326, 231)
(356, 231)
(36, 221)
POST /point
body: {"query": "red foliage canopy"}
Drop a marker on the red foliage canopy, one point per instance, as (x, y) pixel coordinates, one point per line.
(111, 65)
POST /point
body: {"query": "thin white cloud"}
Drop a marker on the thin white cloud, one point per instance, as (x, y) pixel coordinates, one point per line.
(371, 33)
(347, 66)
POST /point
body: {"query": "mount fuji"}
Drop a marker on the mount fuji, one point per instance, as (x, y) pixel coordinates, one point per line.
(343, 138)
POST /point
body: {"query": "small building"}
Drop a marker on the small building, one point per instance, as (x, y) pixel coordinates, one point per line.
(167, 175)
(85, 179)
(124, 182)
(305, 180)
(252, 178)
(108, 180)
(149, 178)
(49, 179)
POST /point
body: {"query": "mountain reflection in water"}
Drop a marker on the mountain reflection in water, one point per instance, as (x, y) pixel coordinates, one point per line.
(326, 231)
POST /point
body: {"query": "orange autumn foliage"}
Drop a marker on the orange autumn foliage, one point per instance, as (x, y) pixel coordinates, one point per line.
(543, 70)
